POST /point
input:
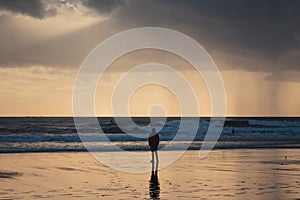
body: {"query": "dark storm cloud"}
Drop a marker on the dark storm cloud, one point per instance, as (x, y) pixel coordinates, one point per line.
(237, 10)
(248, 35)
(252, 29)
(34, 8)
(103, 6)
(41, 9)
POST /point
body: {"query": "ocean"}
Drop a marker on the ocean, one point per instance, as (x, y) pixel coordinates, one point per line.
(59, 134)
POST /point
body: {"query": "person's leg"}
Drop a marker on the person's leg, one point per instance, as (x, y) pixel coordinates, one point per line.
(152, 153)
(156, 154)
(152, 163)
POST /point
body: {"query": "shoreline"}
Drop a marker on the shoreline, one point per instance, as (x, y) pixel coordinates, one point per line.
(279, 146)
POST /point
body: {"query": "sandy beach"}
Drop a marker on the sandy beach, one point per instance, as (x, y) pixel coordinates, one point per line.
(223, 174)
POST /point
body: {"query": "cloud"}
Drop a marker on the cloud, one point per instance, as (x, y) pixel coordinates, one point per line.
(250, 35)
(42, 8)
(33, 8)
(103, 6)
(259, 31)
(284, 76)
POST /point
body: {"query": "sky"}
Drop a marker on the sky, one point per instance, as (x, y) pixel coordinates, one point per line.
(254, 43)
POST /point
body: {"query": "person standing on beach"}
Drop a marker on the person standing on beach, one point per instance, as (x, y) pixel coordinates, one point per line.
(153, 142)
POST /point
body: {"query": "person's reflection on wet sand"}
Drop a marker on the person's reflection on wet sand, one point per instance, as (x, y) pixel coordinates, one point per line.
(154, 188)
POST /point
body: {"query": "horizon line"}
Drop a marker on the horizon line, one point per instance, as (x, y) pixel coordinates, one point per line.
(144, 116)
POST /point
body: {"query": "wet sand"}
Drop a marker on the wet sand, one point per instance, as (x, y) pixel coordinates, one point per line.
(223, 174)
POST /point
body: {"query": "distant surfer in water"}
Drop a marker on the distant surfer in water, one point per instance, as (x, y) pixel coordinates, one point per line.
(233, 132)
(153, 142)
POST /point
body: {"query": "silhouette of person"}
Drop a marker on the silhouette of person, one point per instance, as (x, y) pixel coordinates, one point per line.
(154, 187)
(153, 141)
(233, 132)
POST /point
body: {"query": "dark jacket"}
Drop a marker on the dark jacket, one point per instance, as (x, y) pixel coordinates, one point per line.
(153, 142)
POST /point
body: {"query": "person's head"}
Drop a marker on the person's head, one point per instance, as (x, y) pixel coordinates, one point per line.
(153, 130)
